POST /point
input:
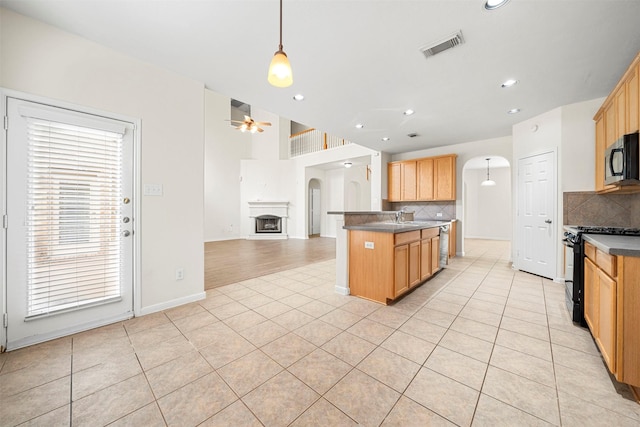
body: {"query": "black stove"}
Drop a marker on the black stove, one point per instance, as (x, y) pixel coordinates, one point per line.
(575, 286)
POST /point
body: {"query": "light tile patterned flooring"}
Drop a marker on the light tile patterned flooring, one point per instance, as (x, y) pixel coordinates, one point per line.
(478, 345)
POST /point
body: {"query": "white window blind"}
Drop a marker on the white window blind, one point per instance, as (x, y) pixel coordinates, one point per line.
(74, 197)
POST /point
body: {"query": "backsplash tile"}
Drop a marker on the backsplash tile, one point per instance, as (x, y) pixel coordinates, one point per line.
(427, 210)
(612, 210)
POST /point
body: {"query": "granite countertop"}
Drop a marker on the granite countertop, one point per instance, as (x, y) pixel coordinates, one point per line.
(615, 245)
(392, 227)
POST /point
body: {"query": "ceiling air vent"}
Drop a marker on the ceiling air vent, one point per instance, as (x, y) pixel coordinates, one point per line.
(412, 135)
(443, 44)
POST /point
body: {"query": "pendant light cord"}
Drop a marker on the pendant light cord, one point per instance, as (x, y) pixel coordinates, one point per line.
(280, 45)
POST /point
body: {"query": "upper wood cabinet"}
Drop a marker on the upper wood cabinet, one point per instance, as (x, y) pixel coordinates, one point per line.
(426, 179)
(618, 115)
(444, 178)
(394, 182)
(408, 181)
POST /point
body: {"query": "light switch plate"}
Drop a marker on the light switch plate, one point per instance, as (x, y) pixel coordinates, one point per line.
(152, 189)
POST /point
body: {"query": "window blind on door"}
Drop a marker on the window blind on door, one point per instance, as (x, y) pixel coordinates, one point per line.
(74, 199)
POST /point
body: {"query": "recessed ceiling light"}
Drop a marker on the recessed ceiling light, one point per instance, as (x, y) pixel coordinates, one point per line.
(513, 111)
(494, 4)
(359, 126)
(298, 97)
(386, 138)
(509, 83)
(408, 112)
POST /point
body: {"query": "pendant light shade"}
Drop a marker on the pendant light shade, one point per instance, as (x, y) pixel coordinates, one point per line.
(488, 182)
(280, 74)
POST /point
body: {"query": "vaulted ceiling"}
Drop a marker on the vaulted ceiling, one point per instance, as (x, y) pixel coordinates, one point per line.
(360, 61)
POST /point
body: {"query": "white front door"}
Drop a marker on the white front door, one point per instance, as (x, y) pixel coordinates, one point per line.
(537, 243)
(70, 221)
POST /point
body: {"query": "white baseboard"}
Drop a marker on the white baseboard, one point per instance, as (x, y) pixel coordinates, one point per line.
(173, 303)
(342, 290)
(36, 339)
(488, 238)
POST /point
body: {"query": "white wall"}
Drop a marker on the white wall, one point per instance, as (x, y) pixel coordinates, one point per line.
(356, 178)
(224, 147)
(577, 164)
(42, 60)
(268, 180)
(488, 212)
(569, 131)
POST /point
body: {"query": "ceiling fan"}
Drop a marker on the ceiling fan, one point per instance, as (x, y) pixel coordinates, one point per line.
(249, 125)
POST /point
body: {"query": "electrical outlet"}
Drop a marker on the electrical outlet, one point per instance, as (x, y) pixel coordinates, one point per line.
(152, 190)
(179, 273)
(368, 245)
(439, 214)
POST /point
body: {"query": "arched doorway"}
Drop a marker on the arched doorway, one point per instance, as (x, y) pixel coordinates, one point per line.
(315, 213)
(487, 209)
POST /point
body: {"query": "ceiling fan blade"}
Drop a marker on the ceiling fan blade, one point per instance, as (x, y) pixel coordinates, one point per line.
(260, 130)
(263, 123)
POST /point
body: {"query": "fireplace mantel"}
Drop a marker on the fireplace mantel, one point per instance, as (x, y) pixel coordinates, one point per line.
(260, 207)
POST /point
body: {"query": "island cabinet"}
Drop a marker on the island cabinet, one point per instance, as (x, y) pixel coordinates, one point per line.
(619, 115)
(426, 179)
(612, 310)
(384, 266)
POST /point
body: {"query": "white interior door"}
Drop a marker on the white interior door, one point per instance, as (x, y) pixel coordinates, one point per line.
(70, 222)
(315, 211)
(536, 250)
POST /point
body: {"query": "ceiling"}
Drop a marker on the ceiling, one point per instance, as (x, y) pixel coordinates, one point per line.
(360, 61)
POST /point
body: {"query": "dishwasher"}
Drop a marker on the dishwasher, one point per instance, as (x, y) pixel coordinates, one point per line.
(444, 245)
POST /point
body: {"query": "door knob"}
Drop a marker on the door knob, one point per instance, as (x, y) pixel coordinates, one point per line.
(548, 221)
(126, 233)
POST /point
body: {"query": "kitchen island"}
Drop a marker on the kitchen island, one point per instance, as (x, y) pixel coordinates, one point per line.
(380, 258)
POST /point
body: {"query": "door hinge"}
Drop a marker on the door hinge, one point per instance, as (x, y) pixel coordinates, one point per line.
(6, 122)
(5, 222)
(5, 320)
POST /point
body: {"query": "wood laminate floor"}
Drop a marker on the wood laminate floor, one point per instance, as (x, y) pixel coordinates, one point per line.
(232, 261)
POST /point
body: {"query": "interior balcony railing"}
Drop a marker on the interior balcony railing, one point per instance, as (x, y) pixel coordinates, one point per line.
(312, 140)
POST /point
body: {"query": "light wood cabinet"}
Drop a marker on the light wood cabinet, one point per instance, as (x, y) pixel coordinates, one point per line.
(394, 182)
(618, 115)
(591, 296)
(384, 266)
(425, 259)
(427, 179)
(633, 100)
(401, 266)
(452, 239)
(408, 181)
(606, 338)
(444, 178)
(435, 254)
(612, 302)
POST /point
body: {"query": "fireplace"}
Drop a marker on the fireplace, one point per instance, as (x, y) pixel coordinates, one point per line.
(268, 224)
(269, 220)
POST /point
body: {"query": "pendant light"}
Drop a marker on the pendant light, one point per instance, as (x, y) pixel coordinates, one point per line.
(488, 182)
(280, 74)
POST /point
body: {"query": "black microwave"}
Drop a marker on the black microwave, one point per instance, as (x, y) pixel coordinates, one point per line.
(622, 161)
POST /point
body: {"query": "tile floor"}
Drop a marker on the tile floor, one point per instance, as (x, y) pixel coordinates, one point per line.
(478, 345)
